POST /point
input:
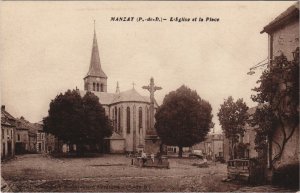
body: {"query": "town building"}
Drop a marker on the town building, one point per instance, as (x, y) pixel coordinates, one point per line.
(26, 136)
(212, 147)
(8, 129)
(40, 138)
(128, 110)
(283, 35)
(247, 140)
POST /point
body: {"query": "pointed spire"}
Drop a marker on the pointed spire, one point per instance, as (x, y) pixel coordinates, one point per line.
(94, 27)
(95, 65)
(117, 89)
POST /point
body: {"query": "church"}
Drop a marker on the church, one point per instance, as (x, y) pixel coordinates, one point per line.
(128, 110)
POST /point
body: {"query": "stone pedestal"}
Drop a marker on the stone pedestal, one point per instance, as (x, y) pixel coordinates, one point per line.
(152, 144)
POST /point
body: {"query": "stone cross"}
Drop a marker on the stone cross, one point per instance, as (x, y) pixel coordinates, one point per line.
(152, 88)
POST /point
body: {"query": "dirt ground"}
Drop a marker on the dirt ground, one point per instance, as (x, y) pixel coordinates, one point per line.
(112, 173)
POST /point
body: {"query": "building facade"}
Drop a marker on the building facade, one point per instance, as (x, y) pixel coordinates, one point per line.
(212, 147)
(283, 35)
(128, 110)
(40, 138)
(8, 129)
(26, 137)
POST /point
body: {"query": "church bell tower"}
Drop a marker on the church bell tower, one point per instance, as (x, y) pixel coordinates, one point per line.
(96, 79)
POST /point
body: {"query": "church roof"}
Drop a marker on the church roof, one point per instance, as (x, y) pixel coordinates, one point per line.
(104, 97)
(95, 65)
(130, 95)
(126, 96)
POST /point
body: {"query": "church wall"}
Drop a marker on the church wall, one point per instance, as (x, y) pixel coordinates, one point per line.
(131, 142)
(117, 146)
(128, 144)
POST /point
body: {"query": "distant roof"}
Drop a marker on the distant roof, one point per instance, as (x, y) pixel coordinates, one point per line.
(283, 19)
(6, 123)
(23, 124)
(7, 118)
(38, 126)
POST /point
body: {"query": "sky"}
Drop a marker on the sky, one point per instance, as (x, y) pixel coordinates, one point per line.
(46, 49)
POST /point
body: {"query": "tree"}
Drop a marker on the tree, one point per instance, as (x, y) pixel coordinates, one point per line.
(233, 116)
(183, 119)
(278, 96)
(97, 124)
(77, 120)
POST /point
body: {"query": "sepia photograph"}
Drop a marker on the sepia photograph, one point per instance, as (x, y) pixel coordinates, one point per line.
(149, 96)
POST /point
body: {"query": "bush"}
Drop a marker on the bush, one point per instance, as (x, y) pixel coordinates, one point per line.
(287, 176)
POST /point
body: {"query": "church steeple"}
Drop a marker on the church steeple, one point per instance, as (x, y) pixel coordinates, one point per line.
(95, 65)
(96, 79)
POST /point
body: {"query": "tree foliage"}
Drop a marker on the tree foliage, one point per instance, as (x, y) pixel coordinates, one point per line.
(278, 96)
(233, 117)
(77, 120)
(183, 119)
(263, 121)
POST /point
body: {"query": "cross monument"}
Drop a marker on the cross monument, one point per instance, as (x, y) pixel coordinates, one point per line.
(152, 142)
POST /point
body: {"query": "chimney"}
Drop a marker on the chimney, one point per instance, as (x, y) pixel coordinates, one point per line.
(3, 108)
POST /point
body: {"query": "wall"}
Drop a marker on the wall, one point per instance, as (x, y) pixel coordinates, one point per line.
(8, 141)
(117, 146)
(286, 40)
(249, 138)
(291, 151)
(24, 138)
(218, 148)
(41, 142)
(131, 142)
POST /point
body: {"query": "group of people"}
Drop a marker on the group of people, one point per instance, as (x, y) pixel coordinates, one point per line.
(152, 156)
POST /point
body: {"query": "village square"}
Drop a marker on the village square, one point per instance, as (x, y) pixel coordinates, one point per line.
(92, 133)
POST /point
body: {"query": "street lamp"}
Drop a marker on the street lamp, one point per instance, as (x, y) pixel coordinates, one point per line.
(260, 64)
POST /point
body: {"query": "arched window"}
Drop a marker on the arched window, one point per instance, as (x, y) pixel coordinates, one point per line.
(140, 119)
(113, 117)
(97, 86)
(116, 119)
(119, 120)
(128, 119)
(101, 87)
(94, 86)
